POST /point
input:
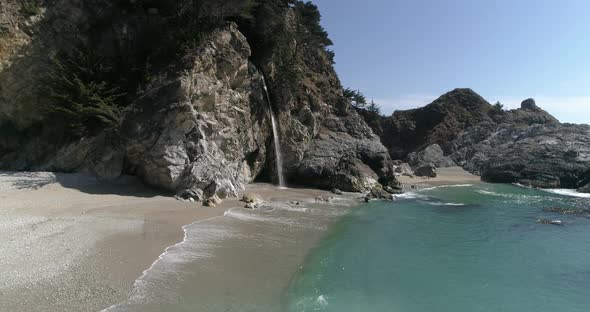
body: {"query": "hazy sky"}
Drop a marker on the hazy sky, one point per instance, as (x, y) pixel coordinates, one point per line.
(407, 53)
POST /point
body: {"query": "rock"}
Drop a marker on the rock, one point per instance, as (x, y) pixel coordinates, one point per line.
(186, 130)
(251, 198)
(209, 203)
(403, 168)
(202, 122)
(529, 104)
(427, 170)
(432, 154)
(543, 155)
(192, 194)
(337, 191)
(584, 189)
(346, 156)
(552, 222)
(378, 193)
(323, 198)
(392, 190)
(251, 206)
(437, 123)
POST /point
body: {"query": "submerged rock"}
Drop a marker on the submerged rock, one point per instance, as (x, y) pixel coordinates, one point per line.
(552, 222)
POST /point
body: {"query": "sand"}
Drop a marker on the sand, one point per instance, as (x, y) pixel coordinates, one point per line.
(71, 243)
(446, 176)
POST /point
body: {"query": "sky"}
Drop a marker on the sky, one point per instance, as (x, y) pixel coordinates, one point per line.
(405, 54)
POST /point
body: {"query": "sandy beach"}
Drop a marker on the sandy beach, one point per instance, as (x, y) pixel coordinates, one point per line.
(446, 176)
(72, 243)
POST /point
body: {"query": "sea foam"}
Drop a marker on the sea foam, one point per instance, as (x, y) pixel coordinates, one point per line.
(568, 192)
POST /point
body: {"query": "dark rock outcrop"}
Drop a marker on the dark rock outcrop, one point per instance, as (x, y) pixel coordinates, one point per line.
(438, 123)
(426, 170)
(201, 126)
(525, 145)
(432, 154)
(547, 156)
(529, 104)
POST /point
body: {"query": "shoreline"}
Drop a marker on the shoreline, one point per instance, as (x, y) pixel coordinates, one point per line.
(104, 235)
(446, 176)
(109, 235)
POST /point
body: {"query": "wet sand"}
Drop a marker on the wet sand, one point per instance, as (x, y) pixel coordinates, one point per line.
(71, 243)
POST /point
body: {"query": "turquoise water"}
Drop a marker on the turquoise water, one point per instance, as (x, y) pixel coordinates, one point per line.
(466, 248)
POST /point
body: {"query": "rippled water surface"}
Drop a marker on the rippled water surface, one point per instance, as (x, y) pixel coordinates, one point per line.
(466, 248)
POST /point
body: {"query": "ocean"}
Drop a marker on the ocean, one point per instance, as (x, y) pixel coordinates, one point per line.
(458, 248)
(462, 248)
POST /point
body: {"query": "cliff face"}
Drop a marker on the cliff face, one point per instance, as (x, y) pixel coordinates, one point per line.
(525, 145)
(200, 125)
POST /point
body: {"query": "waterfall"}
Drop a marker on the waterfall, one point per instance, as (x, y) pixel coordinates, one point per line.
(277, 141)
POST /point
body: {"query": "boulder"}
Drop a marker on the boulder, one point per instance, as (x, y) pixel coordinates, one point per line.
(403, 168)
(426, 170)
(378, 193)
(337, 191)
(251, 206)
(432, 154)
(552, 222)
(325, 199)
(251, 198)
(192, 194)
(585, 188)
(347, 156)
(529, 104)
(186, 130)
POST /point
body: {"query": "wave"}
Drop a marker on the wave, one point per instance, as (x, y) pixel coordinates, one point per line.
(445, 186)
(409, 195)
(442, 204)
(197, 243)
(567, 192)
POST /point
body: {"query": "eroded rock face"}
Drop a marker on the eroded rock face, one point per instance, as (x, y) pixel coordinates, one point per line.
(432, 154)
(529, 104)
(201, 127)
(525, 145)
(426, 170)
(547, 156)
(203, 124)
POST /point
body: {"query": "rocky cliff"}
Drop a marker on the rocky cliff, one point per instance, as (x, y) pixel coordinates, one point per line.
(525, 145)
(198, 124)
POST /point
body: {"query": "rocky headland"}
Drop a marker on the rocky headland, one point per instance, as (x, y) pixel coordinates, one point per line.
(525, 145)
(175, 94)
(195, 121)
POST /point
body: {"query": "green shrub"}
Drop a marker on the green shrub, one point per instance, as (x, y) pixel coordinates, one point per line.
(30, 7)
(83, 97)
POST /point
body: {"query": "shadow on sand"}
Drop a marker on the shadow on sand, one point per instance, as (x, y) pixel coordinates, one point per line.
(123, 186)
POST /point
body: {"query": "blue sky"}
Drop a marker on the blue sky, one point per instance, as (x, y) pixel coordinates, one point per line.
(407, 53)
